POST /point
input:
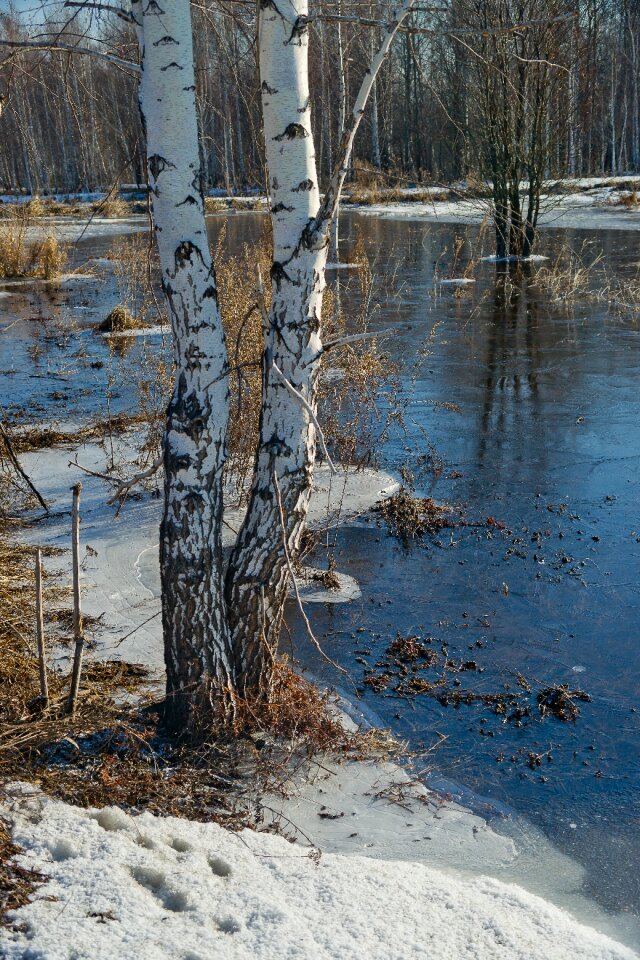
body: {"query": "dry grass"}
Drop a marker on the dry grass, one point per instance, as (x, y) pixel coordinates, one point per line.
(366, 196)
(113, 207)
(570, 277)
(41, 438)
(17, 883)
(21, 255)
(118, 321)
(628, 199)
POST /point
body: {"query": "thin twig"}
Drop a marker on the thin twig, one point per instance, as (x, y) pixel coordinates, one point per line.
(295, 582)
(307, 406)
(78, 632)
(44, 687)
(126, 485)
(16, 464)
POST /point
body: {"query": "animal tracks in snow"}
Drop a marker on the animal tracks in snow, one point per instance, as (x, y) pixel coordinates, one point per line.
(156, 882)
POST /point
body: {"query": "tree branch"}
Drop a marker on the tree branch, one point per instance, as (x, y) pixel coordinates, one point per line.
(71, 48)
(103, 7)
(307, 406)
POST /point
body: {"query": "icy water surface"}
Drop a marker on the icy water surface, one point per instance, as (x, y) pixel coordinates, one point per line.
(522, 412)
(545, 440)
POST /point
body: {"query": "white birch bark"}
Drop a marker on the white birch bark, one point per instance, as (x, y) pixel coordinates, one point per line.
(197, 649)
(257, 576)
(258, 572)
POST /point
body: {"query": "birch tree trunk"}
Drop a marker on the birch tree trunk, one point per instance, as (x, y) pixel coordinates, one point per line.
(196, 638)
(258, 573)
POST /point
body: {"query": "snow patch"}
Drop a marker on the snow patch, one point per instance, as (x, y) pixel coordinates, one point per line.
(116, 898)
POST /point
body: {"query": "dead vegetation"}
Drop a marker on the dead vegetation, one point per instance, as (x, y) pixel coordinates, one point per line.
(17, 883)
(24, 255)
(114, 749)
(31, 438)
(421, 665)
(118, 321)
(571, 276)
(409, 516)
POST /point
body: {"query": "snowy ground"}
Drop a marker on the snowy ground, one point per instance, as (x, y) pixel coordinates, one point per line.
(142, 887)
(120, 569)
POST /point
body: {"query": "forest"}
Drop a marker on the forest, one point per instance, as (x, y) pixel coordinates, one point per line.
(71, 122)
(319, 449)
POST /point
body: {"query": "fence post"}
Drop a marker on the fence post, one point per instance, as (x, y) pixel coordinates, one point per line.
(44, 686)
(78, 632)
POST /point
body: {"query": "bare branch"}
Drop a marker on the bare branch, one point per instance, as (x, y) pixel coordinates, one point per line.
(102, 7)
(307, 406)
(71, 48)
(312, 636)
(137, 478)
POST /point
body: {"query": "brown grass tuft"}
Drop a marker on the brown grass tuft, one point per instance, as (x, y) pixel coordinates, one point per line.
(21, 255)
(409, 516)
(118, 321)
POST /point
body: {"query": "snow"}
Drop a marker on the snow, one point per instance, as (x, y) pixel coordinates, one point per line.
(311, 589)
(152, 331)
(534, 258)
(132, 887)
(586, 211)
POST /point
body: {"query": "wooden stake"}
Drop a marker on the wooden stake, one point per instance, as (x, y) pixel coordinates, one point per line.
(44, 686)
(78, 632)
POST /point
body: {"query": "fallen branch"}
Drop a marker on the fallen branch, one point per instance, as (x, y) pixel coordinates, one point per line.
(18, 468)
(126, 485)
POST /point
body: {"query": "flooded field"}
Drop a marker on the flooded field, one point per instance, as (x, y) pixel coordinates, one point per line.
(522, 417)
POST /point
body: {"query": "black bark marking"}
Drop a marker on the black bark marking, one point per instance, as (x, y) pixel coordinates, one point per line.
(165, 42)
(158, 165)
(267, 89)
(171, 65)
(278, 274)
(188, 200)
(302, 186)
(184, 253)
(295, 131)
(279, 207)
(299, 29)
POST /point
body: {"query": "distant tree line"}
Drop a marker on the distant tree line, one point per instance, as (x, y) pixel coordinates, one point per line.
(463, 93)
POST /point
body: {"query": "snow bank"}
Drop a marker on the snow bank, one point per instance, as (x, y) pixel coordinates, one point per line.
(142, 887)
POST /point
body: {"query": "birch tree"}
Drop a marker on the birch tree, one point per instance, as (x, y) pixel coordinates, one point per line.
(258, 572)
(196, 635)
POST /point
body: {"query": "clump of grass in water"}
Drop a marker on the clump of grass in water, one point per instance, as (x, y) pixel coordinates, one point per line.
(118, 321)
(409, 516)
(22, 257)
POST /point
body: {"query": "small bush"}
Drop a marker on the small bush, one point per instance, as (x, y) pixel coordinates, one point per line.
(113, 207)
(36, 207)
